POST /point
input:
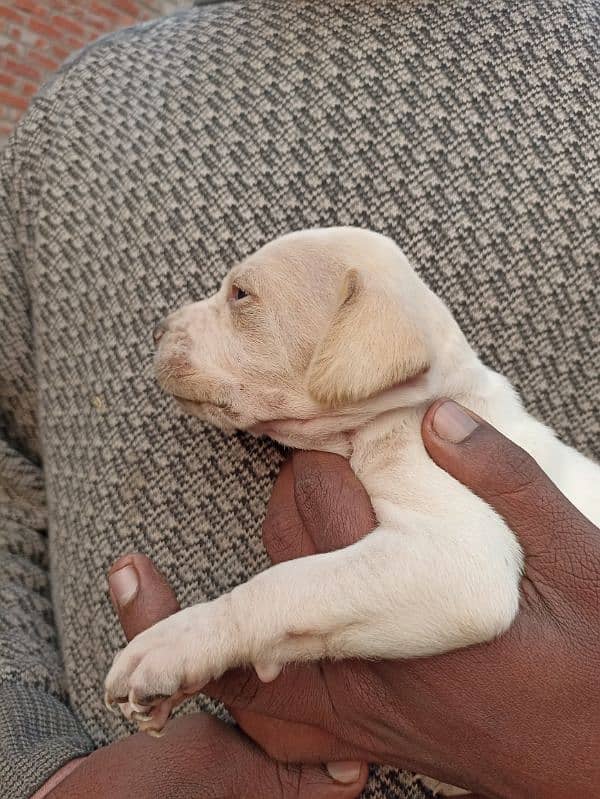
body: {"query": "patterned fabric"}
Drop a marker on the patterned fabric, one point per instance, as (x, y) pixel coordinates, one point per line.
(468, 131)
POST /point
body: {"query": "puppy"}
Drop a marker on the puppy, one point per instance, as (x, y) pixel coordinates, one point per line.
(328, 340)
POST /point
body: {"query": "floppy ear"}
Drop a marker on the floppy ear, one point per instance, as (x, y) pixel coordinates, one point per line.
(372, 344)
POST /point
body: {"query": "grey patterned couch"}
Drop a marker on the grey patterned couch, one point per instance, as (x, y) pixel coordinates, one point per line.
(468, 131)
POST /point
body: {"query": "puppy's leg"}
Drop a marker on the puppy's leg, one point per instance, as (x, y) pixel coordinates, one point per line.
(396, 593)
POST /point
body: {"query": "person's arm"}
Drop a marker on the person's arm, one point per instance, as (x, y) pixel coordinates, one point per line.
(511, 719)
(38, 732)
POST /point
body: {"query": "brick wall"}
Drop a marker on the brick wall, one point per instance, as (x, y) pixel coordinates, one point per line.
(37, 35)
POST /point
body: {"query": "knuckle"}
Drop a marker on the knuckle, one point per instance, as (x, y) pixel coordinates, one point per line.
(280, 532)
(309, 484)
(355, 504)
(524, 468)
(316, 491)
(511, 469)
(334, 505)
(575, 562)
(289, 779)
(245, 693)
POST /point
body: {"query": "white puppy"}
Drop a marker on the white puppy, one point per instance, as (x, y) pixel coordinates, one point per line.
(327, 339)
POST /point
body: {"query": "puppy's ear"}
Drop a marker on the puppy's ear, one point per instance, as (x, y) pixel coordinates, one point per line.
(372, 344)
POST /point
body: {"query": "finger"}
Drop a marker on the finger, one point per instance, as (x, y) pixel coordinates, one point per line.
(250, 767)
(140, 594)
(295, 742)
(341, 780)
(331, 500)
(504, 475)
(300, 697)
(284, 535)
(299, 694)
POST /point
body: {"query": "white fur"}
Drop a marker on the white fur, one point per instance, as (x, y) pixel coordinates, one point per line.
(441, 570)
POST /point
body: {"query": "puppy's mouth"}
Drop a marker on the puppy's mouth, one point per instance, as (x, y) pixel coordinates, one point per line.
(180, 382)
(195, 394)
(223, 406)
(216, 412)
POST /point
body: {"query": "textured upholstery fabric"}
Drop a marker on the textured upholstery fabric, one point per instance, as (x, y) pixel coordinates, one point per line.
(468, 131)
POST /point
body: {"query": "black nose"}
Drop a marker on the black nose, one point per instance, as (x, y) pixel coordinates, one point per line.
(159, 331)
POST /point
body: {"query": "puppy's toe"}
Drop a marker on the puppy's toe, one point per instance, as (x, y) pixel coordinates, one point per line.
(163, 665)
(116, 686)
(267, 672)
(154, 721)
(155, 680)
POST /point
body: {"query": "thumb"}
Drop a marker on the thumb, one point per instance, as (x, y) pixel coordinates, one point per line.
(503, 475)
(140, 594)
(339, 781)
(257, 774)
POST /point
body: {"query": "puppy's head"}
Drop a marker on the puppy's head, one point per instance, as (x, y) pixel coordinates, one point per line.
(315, 321)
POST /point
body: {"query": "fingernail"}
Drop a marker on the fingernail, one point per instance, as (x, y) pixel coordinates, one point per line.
(124, 585)
(452, 423)
(345, 771)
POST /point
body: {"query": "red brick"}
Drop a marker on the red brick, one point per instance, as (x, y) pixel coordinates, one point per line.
(40, 34)
(29, 89)
(127, 7)
(44, 29)
(68, 25)
(7, 80)
(31, 7)
(60, 52)
(75, 44)
(24, 70)
(13, 100)
(103, 11)
(10, 13)
(49, 64)
(99, 24)
(79, 10)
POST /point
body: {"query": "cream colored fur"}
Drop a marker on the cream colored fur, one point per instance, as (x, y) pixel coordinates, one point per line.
(347, 368)
(339, 346)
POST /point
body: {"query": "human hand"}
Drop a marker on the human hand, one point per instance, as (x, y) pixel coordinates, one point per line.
(514, 718)
(199, 756)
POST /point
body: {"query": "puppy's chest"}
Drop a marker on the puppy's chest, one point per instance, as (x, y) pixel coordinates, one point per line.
(392, 464)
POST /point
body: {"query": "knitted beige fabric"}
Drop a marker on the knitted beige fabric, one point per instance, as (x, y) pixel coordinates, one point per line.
(468, 131)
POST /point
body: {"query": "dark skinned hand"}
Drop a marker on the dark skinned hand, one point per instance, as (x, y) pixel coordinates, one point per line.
(200, 757)
(517, 718)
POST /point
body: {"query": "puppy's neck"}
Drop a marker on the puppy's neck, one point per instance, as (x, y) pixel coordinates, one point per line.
(336, 430)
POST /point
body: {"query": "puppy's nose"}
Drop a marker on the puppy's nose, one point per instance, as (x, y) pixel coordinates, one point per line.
(159, 331)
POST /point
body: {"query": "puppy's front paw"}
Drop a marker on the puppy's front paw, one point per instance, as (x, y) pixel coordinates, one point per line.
(168, 662)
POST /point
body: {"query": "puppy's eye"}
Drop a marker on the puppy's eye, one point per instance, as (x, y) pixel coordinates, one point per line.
(236, 293)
